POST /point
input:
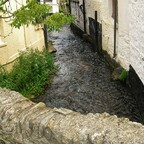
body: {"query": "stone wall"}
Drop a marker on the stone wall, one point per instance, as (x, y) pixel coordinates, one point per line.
(24, 122)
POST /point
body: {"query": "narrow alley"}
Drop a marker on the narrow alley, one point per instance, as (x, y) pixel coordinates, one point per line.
(83, 82)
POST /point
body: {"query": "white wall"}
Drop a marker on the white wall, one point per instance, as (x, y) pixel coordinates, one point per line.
(104, 9)
(13, 41)
(123, 49)
(136, 25)
(130, 31)
(91, 7)
(54, 4)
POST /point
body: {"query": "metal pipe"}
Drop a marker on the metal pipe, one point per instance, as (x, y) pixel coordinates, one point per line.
(45, 36)
(70, 6)
(115, 23)
(96, 32)
(45, 32)
(84, 16)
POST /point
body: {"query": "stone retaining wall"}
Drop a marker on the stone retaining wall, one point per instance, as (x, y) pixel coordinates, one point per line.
(24, 122)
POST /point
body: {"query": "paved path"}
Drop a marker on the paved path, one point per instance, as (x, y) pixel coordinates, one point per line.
(83, 82)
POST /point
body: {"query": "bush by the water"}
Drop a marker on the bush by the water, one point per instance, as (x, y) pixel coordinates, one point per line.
(30, 74)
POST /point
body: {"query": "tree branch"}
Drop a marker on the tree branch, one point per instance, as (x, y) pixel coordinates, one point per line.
(5, 17)
(2, 3)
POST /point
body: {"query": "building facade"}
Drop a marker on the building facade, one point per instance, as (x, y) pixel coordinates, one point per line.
(127, 47)
(12, 41)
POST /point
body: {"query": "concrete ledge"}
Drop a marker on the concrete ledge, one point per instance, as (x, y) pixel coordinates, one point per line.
(22, 121)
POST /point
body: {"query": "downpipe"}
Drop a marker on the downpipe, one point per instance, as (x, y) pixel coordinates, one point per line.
(115, 27)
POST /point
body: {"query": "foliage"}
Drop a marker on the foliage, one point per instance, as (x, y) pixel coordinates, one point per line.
(123, 75)
(31, 13)
(31, 72)
(34, 12)
(57, 20)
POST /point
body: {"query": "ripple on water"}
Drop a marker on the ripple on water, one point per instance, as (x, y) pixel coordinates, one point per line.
(83, 82)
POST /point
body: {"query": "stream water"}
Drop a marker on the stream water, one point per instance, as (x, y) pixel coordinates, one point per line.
(83, 83)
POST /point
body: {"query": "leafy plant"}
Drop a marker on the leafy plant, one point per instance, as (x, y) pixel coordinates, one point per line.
(33, 12)
(31, 72)
(123, 75)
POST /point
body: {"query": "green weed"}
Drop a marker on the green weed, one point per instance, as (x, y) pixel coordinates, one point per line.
(30, 74)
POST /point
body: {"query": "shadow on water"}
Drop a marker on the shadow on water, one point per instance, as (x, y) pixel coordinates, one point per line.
(83, 83)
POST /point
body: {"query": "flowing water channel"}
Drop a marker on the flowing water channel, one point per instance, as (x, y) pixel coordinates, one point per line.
(83, 83)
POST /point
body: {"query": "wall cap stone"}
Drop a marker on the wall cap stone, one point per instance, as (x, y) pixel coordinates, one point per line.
(22, 121)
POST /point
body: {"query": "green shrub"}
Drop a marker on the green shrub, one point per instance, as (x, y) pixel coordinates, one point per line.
(30, 73)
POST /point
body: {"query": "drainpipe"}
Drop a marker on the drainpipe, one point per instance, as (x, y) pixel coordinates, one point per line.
(69, 6)
(96, 32)
(45, 32)
(45, 36)
(25, 37)
(115, 28)
(84, 16)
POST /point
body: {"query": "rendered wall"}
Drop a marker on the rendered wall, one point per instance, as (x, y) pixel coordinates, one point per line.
(130, 31)
(91, 7)
(136, 25)
(122, 45)
(104, 11)
(13, 41)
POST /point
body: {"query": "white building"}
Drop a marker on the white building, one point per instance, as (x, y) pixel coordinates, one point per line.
(53, 3)
(12, 41)
(129, 30)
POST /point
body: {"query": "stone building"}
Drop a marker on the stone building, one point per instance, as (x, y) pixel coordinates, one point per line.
(12, 41)
(121, 39)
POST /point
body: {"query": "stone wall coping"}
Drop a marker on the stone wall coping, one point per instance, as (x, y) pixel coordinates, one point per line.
(24, 122)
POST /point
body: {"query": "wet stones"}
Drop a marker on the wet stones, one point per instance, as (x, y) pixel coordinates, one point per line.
(51, 48)
(2, 142)
(84, 83)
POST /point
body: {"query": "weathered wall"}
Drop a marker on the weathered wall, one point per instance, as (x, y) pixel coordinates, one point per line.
(136, 25)
(104, 11)
(92, 6)
(22, 121)
(18, 40)
(77, 11)
(122, 49)
(130, 31)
